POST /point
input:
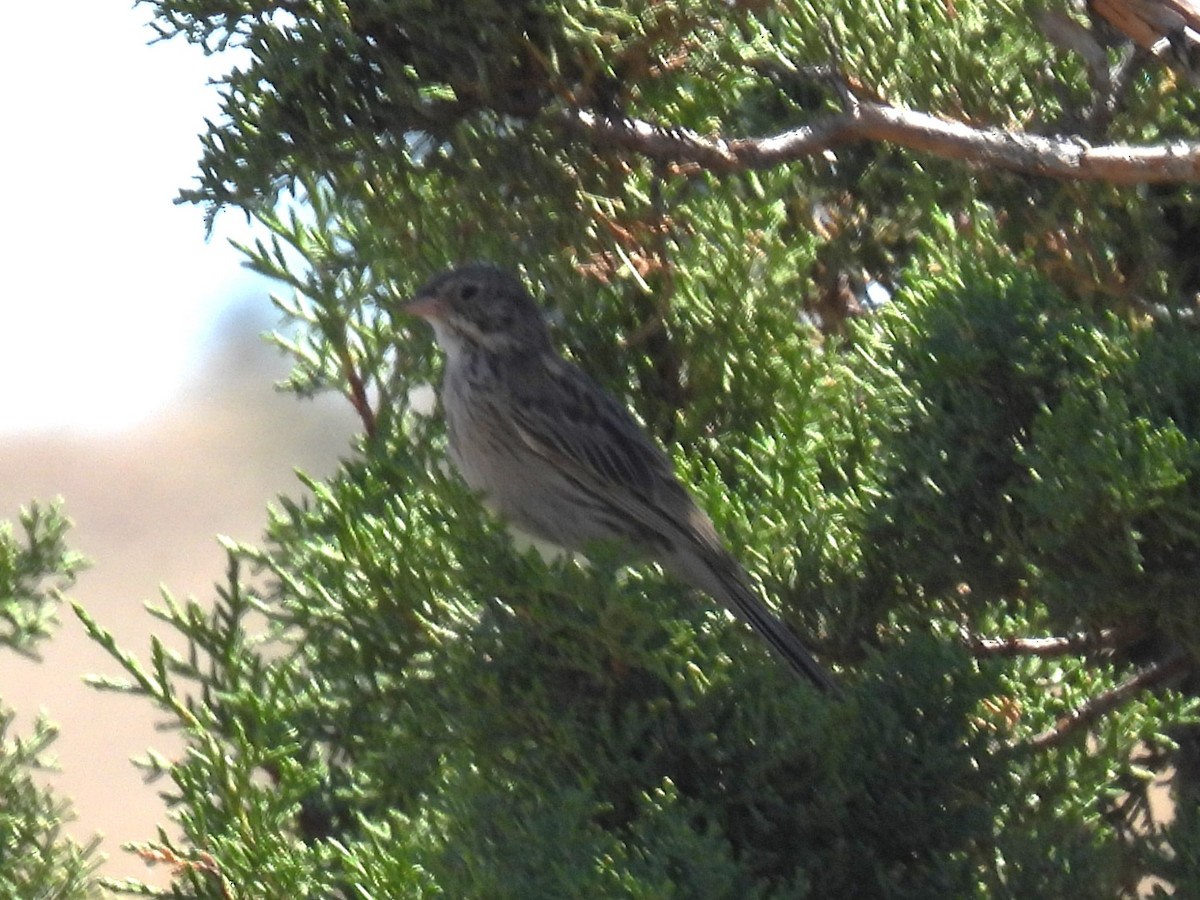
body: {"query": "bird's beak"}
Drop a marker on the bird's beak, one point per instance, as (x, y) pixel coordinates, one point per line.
(426, 306)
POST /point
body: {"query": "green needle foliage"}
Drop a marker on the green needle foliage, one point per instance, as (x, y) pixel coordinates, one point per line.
(388, 699)
(36, 858)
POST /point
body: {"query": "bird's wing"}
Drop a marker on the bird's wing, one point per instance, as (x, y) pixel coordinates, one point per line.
(572, 425)
(571, 422)
(560, 407)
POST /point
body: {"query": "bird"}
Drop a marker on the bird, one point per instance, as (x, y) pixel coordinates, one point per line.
(559, 458)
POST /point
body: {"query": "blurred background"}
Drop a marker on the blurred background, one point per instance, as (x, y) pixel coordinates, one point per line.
(134, 382)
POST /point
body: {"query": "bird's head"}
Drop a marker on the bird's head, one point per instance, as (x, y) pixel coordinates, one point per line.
(481, 306)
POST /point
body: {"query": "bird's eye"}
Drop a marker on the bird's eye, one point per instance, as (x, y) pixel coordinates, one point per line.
(467, 291)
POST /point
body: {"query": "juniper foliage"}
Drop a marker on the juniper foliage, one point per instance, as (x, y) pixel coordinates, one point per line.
(1008, 449)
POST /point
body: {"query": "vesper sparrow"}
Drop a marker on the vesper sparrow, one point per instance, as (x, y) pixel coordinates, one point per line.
(559, 458)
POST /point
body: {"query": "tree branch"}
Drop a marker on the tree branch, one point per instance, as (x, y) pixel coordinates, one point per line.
(356, 391)
(1043, 646)
(1064, 157)
(1088, 713)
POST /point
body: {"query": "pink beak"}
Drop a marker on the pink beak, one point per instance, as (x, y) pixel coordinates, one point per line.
(426, 307)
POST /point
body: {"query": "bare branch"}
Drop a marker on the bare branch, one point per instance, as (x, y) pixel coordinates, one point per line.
(1043, 646)
(1168, 29)
(1088, 713)
(668, 145)
(1062, 157)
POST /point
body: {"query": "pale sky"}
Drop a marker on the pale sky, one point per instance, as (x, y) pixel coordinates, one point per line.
(109, 288)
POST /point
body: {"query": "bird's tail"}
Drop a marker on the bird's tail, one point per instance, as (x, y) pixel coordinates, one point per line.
(738, 598)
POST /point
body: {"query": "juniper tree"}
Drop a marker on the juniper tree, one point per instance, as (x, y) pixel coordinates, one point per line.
(36, 858)
(977, 501)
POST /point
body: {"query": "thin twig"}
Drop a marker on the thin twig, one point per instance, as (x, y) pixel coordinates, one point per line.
(848, 99)
(1054, 157)
(1086, 714)
(357, 392)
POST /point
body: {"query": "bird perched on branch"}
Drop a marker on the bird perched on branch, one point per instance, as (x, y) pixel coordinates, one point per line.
(560, 459)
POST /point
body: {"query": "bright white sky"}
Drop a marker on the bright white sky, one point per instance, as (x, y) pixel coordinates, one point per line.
(109, 288)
